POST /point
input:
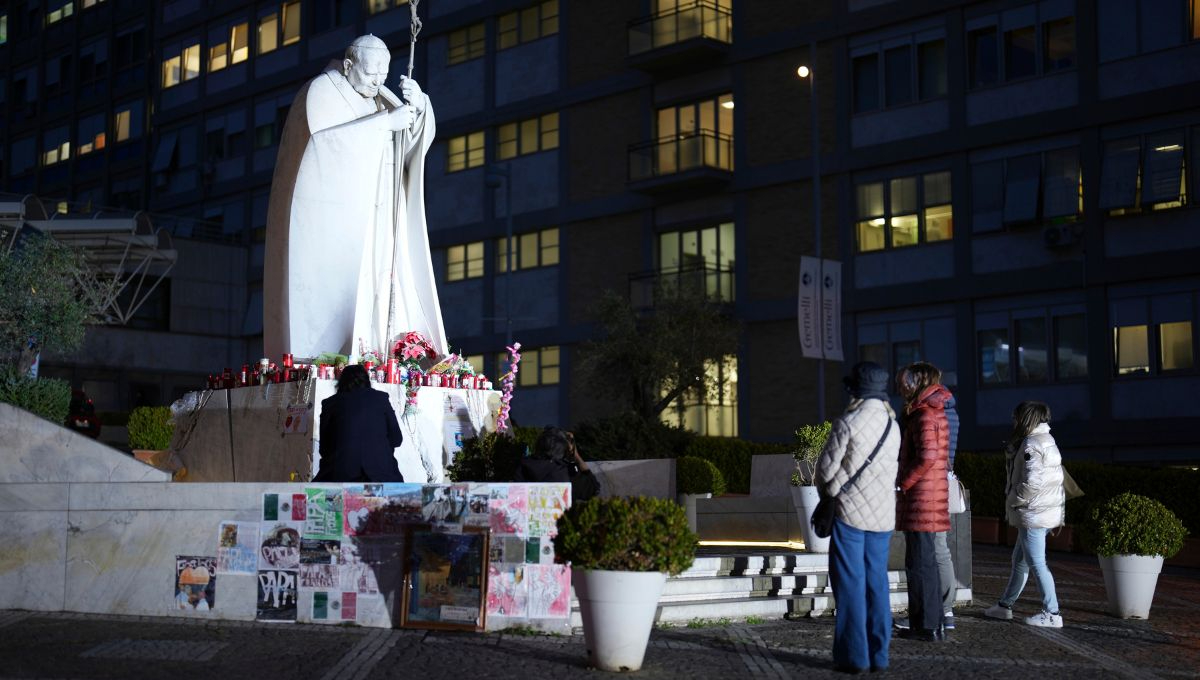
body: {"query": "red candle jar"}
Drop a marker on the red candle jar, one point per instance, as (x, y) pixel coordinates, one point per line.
(287, 360)
(391, 371)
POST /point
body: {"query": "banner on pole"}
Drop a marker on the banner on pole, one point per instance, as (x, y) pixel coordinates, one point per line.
(819, 310)
(809, 309)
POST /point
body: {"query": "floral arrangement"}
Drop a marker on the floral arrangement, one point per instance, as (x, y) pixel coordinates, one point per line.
(376, 357)
(455, 364)
(413, 347)
(509, 381)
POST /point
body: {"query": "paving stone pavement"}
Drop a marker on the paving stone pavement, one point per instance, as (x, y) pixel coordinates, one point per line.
(1092, 643)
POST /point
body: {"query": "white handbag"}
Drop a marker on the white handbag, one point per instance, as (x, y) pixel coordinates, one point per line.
(958, 496)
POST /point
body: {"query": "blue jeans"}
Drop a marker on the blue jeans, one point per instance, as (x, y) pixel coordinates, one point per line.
(859, 576)
(1030, 553)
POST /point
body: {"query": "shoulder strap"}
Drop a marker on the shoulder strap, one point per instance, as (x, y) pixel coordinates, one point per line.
(886, 430)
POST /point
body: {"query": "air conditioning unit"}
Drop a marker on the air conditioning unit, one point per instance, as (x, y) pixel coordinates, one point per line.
(1058, 235)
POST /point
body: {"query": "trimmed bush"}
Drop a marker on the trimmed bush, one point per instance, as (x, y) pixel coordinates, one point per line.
(1130, 524)
(985, 477)
(696, 475)
(151, 427)
(810, 440)
(626, 534)
(493, 457)
(630, 437)
(46, 397)
(733, 457)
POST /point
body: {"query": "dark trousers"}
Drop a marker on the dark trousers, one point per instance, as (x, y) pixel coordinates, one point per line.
(924, 588)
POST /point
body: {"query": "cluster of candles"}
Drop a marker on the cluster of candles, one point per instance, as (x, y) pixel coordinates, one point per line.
(390, 373)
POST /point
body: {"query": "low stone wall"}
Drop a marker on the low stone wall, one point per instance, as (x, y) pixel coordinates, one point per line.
(653, 477)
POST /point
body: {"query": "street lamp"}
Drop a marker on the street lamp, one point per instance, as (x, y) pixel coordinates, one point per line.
(496, 175)
(806, 73)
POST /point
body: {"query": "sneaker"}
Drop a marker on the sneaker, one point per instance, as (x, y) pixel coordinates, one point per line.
(998, 611)
(1045, 620)
(900, 622)
(948, 621)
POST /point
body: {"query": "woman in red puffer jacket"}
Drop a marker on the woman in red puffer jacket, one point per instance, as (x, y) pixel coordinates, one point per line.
(924, 505)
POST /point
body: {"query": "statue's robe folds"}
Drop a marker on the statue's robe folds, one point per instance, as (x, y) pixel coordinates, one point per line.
(331, 236)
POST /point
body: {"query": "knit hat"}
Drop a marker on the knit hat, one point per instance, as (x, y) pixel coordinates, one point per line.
(867, 380)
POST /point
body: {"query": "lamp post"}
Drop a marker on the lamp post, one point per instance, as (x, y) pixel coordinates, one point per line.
(806, 72)
(496, 175)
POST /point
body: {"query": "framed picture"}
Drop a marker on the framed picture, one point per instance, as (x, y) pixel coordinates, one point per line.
(445, 583)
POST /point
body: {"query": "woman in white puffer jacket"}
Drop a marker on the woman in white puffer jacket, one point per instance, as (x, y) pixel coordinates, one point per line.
(1035, 504)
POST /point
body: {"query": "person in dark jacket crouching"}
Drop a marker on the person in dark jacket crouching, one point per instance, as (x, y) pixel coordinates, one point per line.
(556, 459)
(359, 432)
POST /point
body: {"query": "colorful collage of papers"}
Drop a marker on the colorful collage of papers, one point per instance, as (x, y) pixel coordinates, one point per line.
(347, 548)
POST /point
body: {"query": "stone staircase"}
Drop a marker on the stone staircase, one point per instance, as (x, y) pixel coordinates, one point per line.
(736, 583)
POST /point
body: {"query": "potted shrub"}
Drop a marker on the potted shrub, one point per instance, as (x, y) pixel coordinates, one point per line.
(1131, 535)
(150, 430)
(696, 478)
(810, 439)
(621, 551)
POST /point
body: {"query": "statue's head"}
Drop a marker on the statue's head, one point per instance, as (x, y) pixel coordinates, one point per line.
(366, 64)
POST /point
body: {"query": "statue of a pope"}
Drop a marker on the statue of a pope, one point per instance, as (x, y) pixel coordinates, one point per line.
(342, 256)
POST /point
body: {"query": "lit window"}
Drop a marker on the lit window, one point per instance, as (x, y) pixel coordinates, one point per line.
(291, 22)
(712, 414)
(171, 71)
(527, 136)
(91, 134)
(218, 57)
(1175, 345)
(1195, 23)
(56, 146)
(464, 152)
(527, 25)
(464, 261)
(191, 61)
(268, 33)
(693, 135)
(127, 123)
(913, 210)
(377, 6)
(700, 260)
(538, 366)
(62, 11)
(1131, 349)
(3, 28)
(466, 44)
(534, 249)
(239, 43)
(84, 4)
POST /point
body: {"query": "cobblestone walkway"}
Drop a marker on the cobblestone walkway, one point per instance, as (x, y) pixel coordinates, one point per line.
(1092, 643)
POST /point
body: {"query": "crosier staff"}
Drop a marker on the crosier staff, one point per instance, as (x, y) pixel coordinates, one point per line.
(415, 26)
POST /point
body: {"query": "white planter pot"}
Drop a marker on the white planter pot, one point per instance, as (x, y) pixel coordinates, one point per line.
(805, 498)
(617, 608)
(688, 501)
(1130, 581)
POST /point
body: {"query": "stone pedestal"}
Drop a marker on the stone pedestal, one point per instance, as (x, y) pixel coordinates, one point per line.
(270, 433)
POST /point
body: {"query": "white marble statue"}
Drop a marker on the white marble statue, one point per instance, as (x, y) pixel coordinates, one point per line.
(339, 251)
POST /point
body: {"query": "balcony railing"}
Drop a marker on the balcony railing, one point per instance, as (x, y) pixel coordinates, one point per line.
(699, 19)
(680, 153)
(716, 284)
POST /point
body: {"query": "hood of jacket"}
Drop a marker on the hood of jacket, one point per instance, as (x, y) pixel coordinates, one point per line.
(934, 396)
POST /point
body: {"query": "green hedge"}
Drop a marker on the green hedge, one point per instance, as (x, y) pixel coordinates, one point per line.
(984, 475)
(696, 475)
(629, 437)
(46, 397)
(492, 457)
(733, 457)
(151, 427)
(626, 534)
(1130, 524)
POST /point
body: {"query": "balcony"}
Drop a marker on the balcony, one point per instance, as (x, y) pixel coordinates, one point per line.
(715, 282)
(693, 160)
(686, 35)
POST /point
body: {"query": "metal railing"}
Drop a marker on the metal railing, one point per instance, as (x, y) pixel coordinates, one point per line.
(716, 283)
(699, 19)
(679, 153)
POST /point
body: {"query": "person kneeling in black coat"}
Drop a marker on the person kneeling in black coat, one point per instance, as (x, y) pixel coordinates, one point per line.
(556, 459)
(359, 432)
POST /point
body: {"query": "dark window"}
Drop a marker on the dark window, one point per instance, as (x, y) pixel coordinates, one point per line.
(1031, 350)
(984, 66)
(993, 357)
(1070, 347)
(1020, 53)
(931, 60)
(1021, 183)
(866, 83)
(898, 69)
(1058, 40)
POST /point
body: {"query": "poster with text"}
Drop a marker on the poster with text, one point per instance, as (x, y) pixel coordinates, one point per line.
(507, 593)
(323, 517)
(478, 514)
(280, 546)
(319, 551)
(356, 572)
(195, 583)
(549, 590)
(546, 504)
(237, 547)
(509, 505)
(276, 595)
(319, 576)
(444, 506)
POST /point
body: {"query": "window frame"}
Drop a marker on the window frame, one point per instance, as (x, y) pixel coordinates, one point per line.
(466, 44)
(880, 57)
(544, 133)
(1002, 55)
(922, 208)
(1118, 150)
(472, 154)
(1048, 317)
(513, 28)
(547, 242)
(469, 263)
